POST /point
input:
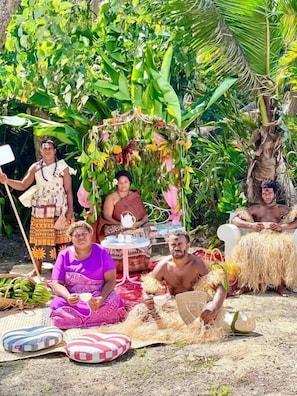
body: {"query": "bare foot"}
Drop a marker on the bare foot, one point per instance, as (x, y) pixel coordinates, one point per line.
(33, 273)
(242, 290)
(282, 291)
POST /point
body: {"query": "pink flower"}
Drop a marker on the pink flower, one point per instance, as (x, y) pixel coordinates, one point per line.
(158, 138)
(171, 197)
(159, 124)
(169, 163)
(104, 136)
(82, 196)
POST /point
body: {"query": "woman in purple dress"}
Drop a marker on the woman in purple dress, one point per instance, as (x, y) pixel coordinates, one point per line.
(83, 280)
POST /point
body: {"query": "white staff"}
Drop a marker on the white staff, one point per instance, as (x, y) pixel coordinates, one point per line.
(6, 156)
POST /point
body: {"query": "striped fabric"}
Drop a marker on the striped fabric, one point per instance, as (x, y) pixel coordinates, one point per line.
(98, 347)
(30, 339)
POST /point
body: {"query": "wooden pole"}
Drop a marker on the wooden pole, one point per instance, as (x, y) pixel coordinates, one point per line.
(21, 227)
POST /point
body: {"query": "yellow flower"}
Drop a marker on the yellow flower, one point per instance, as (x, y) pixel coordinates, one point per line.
(99, 158)
(153, 147)
(92, 147)
(38, 253)
(117, 149)
(231, 268)
(53, 254)
(187, 176)
(188, 144)
(62, 247)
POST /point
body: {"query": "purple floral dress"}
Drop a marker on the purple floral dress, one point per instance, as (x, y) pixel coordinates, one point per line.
(85, 276)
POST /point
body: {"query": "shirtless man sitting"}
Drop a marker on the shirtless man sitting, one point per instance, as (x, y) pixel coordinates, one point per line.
(181, 270)
(267, 215)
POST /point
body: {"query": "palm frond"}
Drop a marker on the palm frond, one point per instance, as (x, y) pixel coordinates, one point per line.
(238, 37)
(289, 20)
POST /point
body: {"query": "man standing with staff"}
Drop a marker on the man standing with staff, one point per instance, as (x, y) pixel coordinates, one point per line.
(51, 200)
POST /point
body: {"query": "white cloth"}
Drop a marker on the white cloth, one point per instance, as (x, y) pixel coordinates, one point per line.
(50, 199)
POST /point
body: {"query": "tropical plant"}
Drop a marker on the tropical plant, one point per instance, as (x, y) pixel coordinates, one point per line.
(81, 86)
(249, 40)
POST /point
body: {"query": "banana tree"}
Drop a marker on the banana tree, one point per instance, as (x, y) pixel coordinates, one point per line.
(248, 40)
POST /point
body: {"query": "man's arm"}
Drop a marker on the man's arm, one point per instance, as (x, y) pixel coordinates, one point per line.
(241, 223)
(149, 285)
(290, 226)
(158, 271)
(212, 307)
(284, 227)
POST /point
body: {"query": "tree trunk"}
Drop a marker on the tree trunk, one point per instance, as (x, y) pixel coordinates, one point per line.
(268, 162)
(95, 7)
(7, 9)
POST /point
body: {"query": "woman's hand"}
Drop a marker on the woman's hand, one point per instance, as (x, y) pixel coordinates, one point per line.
(3, 178)
(69, 216)
(73, 299)
(95, 302)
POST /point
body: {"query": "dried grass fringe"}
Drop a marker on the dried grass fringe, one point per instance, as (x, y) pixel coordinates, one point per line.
(140, 325)
(169, 328)
(265, 259)
(243, 214)
(291, 216)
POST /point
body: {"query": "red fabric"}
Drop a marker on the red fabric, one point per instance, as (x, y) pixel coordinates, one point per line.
(131, 293)
(132, 203)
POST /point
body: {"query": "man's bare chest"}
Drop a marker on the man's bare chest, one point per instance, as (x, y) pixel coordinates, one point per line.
(271, 214)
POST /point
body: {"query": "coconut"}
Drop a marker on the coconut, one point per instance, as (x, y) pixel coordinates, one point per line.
(239, 322)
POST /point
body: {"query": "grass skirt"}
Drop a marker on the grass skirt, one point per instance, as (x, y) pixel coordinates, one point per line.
(266, 258)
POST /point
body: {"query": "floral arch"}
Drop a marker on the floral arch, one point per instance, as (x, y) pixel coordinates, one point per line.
(152, 151)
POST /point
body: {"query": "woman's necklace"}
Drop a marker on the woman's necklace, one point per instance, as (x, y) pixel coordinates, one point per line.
(41, 169)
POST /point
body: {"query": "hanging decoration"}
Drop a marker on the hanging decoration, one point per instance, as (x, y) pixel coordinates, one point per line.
(153, 152)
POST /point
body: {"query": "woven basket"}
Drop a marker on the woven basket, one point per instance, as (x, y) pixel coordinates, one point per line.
(11, 303)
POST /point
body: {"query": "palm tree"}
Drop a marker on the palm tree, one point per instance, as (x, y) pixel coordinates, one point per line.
(7, 9)
(248, 40)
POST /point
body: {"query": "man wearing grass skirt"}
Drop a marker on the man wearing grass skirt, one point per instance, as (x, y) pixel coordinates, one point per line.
(266, 257)
(183, 301)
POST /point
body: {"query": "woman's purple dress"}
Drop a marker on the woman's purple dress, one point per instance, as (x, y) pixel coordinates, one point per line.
(85, 276)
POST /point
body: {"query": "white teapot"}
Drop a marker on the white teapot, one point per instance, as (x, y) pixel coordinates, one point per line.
(128, 220)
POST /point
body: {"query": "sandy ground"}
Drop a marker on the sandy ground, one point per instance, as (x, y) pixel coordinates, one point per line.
(263, 363)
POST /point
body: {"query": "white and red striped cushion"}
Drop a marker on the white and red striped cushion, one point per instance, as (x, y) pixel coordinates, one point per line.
(98, 347)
